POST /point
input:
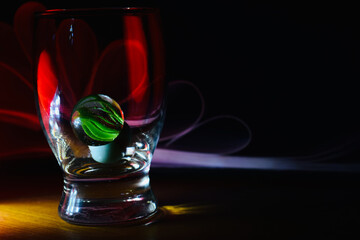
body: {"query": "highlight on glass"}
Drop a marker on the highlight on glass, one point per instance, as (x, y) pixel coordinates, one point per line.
(99, 87)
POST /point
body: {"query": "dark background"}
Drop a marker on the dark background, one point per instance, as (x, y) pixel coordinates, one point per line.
(289, 69)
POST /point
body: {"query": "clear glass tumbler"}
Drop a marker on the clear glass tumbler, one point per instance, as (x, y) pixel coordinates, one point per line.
(99, 89)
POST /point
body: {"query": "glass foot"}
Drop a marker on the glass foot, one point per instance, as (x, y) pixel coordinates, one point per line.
(123, 201)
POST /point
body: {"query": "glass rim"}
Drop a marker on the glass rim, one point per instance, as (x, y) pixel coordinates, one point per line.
(74, 12)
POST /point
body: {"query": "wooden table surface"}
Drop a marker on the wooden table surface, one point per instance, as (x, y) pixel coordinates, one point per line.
(194, 204)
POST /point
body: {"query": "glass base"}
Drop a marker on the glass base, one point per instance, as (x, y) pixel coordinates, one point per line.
(122, 201)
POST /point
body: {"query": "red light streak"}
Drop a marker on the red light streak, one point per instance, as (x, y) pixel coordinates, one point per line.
(20, 118)
(137, 60)
(46, 84)
(16, 73)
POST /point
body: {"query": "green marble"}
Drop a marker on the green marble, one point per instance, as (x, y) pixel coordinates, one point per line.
(97, 120)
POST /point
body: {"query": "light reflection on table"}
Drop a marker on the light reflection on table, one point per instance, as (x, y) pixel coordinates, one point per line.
(194, 203)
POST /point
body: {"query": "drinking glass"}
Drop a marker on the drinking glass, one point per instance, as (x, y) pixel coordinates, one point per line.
(99, 89)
